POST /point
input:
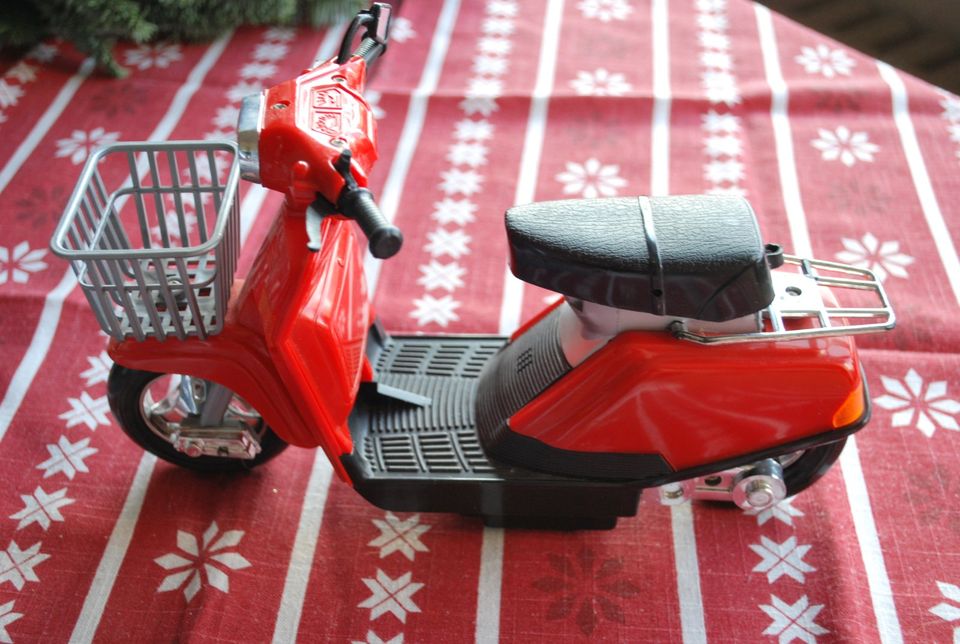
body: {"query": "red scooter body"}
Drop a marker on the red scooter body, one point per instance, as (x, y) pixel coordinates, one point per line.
(647, 393)
(514, 428)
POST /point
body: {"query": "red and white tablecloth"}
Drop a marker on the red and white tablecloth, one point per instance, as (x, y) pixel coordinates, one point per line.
(485, 104)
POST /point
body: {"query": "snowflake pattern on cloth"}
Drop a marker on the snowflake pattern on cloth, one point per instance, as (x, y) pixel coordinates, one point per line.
(401, 30)
(99, 369)
(9, 94)
(783, 512)
(600, 82)
(81, 143)
(438, 310)
(87, 410)
(883, 258)
(951, 114)
(591, 179)
(778, 559)
(401, 536)
(793, 621)
(41, 508)
(949, 611)
(22, 72)
(7, 617)
(394, 596)
(17, 263)
(194, 561)
(825, 61)
(586, 589)
(373, 638)
(158, 55)
(17, 564)
(67, 458)
(925, 406)
(605, 10)
(845, 145)
(436, 275)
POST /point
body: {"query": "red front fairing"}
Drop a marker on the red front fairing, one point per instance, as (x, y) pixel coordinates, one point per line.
(308, 122)
(649, 393)
(293, 341)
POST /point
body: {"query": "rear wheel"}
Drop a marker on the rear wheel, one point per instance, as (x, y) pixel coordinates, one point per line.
(803, 469)
(165, 415)
(761, 484)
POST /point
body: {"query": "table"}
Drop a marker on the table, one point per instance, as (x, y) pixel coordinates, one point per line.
(486, 104)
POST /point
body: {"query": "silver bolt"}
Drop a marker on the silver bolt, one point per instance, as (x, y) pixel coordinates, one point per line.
(279, 106)
(759, 486)
(194, 448)
(338, 142)
(673, 493)
(760, 494)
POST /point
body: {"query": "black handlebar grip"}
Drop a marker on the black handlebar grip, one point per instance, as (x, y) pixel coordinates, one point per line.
(385, 238)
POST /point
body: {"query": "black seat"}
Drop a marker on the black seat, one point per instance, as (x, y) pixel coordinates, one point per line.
(694, 256)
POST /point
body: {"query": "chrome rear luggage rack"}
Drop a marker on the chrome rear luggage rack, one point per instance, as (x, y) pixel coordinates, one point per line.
(796, 299)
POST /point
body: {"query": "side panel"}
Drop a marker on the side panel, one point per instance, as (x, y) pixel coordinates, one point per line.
(293, 341)
(236, 358)
(319, 343)
(648, 393)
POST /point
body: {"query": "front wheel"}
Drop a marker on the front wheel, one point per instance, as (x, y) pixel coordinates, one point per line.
(168, 415)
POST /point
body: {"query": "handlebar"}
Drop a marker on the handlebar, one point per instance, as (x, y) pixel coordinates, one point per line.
(358, 203)
(374, 42)
(287, 150)
(385, 238)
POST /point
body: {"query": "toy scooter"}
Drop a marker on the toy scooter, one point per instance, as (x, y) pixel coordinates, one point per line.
(685, 355)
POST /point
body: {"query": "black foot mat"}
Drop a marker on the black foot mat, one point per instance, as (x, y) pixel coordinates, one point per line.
(416, 446)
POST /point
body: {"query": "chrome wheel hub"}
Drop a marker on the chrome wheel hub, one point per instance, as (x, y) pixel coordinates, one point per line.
(201, 418)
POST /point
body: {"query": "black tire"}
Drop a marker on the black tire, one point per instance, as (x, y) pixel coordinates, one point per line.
(810, 466)
(124, 390)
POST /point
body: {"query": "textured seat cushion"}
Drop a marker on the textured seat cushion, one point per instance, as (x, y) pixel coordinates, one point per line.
(695, 256)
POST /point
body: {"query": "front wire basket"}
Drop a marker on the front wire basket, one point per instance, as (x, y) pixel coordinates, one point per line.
(156, 256)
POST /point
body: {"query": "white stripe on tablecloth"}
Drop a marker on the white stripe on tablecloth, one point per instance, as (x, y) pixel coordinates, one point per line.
(512, 303)
(689, 594)
(921, 179)
(488, 586)
(491, 552)
(660, 132)
(40, 129)
(315, 498)
(783, 136)
(888, 624)
(250, 210)
(329, 45)
(412, 127)
(688, 574)
(53, 304)
(116, 550)
(304, 548)
(22, 377)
